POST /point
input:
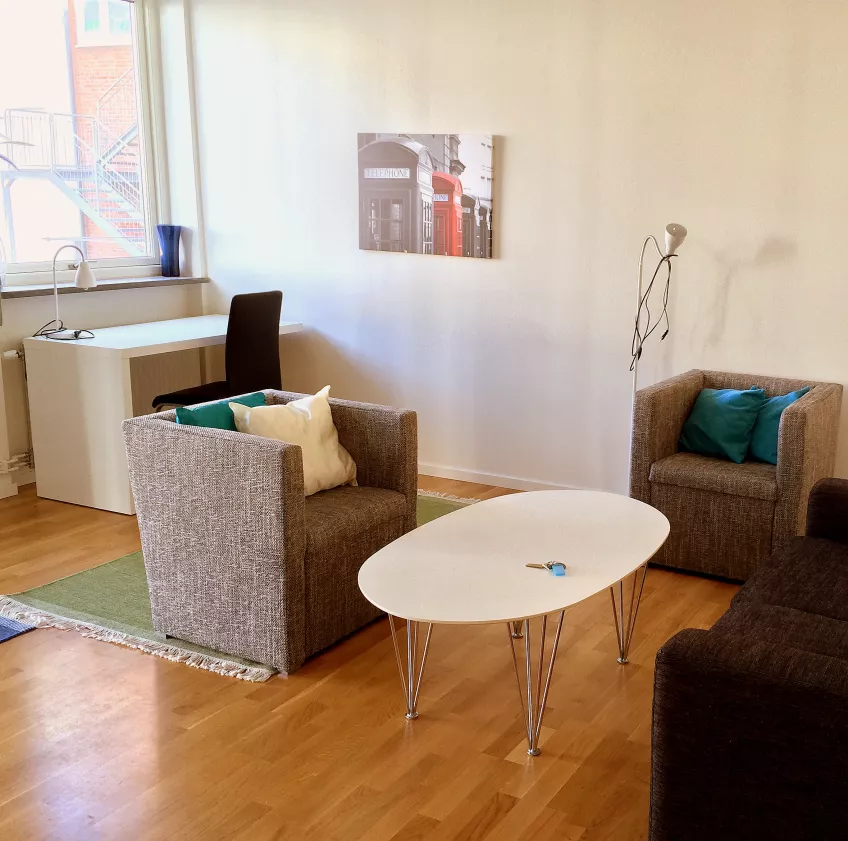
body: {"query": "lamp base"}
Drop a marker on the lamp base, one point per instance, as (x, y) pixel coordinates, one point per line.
(68, 335)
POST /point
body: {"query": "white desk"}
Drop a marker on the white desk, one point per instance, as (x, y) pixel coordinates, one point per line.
(81, 391)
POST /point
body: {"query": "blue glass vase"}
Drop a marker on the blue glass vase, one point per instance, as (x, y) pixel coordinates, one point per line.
(169, 242)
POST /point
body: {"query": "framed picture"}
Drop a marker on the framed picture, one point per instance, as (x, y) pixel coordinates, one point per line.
(426, 193)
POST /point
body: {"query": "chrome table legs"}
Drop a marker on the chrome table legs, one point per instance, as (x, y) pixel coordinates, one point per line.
(625, 615)
(536, 695)
(412, 671)
(534, 679)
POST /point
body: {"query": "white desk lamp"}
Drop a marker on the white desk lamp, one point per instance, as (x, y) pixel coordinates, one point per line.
(83, 279)
(674, 236)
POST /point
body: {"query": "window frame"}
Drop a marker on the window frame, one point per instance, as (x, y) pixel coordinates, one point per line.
(148, 94)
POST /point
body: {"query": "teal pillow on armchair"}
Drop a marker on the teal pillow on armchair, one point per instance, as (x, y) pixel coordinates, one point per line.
(721, 422)
(767, 427)
(218, 415)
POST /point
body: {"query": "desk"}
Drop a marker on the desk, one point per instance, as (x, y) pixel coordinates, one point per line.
(81, 391)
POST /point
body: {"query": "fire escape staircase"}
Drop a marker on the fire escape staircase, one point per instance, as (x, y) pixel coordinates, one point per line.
(93, 160)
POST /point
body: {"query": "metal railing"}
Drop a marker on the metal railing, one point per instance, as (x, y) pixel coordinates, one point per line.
(102, 168)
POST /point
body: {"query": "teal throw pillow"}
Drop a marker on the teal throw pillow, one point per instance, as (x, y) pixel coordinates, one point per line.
(721, 422)
(218, 415)
(764, 436)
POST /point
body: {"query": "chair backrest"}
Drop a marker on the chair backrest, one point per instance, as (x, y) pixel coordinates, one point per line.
(253, 342)
(774, 386)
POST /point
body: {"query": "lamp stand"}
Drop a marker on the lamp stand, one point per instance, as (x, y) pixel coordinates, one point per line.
(674, 236)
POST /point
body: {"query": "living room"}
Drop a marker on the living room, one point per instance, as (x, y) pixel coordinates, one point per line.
(608, 122)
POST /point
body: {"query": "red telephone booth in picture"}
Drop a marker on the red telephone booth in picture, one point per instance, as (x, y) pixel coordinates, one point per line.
(447, 213)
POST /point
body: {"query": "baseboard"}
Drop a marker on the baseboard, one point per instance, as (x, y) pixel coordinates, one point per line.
(7, 487)
(498, 479)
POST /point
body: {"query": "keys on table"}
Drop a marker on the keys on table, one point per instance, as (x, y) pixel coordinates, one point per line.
(554, 567)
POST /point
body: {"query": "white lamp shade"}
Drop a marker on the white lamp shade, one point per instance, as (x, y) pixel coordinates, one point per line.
(674, 236)
(84, 278)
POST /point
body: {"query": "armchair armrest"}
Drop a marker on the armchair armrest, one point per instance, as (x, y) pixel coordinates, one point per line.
(827, 510)
(747, 740)
(221, 516)
(658, 418)
(806, 452)
(382, 441)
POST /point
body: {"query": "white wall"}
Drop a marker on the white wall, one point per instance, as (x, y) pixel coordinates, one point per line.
(611, 119)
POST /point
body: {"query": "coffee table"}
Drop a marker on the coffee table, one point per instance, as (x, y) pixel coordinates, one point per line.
(469, 567)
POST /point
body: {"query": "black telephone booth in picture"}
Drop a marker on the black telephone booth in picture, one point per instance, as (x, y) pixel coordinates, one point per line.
(485, 239)
(471, 245)
(396, 196)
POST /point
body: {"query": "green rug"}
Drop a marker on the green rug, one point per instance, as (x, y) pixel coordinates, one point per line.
(111, 602)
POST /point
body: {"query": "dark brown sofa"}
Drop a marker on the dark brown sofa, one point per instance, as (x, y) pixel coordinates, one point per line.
(750, 727)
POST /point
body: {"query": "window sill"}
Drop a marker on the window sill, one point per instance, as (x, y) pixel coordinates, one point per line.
(114, 284)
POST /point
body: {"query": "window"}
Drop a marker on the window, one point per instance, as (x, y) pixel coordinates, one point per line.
(427, 234)
(385, 220)
(91, 16)
(101, 23)
(119, 18)
(72, 136)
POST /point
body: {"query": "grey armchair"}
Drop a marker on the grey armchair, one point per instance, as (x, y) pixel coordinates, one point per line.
(237, 559)
(725, 517)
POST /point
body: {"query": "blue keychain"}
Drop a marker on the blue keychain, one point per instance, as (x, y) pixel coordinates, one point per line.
(554, 567)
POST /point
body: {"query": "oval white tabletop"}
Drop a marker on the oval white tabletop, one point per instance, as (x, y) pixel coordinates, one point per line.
(469, 567)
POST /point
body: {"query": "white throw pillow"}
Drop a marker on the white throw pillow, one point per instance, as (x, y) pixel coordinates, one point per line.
(308, 423)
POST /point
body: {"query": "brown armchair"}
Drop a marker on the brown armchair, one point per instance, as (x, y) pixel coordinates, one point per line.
(725, 517)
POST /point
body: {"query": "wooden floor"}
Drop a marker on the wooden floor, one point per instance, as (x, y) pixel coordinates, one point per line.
(101, 742)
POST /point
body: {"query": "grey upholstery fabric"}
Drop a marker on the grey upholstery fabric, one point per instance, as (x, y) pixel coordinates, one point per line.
(334, 604)
(237, 559)
(726, 518)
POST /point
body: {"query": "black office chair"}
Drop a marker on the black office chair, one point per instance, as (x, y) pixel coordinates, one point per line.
(252, 352)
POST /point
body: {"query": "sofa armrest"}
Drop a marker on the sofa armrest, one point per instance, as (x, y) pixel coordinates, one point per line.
(806, 452)
(827, 510)
(749, 740)
(221, 516)
(381, 440)
(658, 419)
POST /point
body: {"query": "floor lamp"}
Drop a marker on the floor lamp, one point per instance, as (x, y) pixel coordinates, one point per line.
(646, 324)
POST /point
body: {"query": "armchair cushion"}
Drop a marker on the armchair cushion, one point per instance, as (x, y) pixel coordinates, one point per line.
(721, 422)
(687, 470)
(807, 573)
(349, 511)
(758, 622)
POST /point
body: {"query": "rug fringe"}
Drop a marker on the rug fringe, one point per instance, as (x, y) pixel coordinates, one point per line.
(450, 497)
(11, 609)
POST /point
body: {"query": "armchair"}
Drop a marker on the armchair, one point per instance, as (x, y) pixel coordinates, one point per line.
(725, 517)
(237, 559)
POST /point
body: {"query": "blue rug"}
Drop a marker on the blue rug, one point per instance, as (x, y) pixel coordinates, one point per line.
(10, 628)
